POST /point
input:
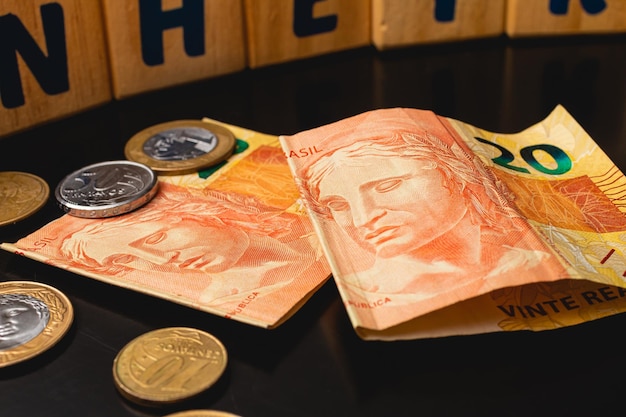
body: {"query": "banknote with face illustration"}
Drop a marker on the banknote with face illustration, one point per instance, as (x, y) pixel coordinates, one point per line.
(430, 226)
(433, 227)
(232, 240)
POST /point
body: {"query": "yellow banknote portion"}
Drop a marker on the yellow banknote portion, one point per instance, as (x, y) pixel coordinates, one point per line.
(232, 240)
(567, 188)
(433, 227)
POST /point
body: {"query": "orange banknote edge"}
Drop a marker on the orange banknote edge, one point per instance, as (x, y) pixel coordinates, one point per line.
(433, 227)
(232, 240)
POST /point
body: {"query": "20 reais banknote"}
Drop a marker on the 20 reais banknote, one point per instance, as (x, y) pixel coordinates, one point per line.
(433, 227)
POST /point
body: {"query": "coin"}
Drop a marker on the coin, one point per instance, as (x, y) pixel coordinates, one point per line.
(168, 365)
(202, 413)
(21, 195)
(106, 189)
(33, 318)
(181, 147)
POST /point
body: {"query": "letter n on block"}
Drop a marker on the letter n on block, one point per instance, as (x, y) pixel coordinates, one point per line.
(564, 17)
(155, 44)
(405, 23)
(287, 30)
(53, 61)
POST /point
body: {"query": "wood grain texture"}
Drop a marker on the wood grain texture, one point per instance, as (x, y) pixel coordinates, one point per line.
(397, 24)
(534, 17)
(224, 47)
(87, 67)
(271, 37)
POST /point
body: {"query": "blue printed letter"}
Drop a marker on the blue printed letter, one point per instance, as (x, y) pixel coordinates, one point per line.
(304, 24)
(444, 10)
(153, 21)
(590, 6)
(50, 71)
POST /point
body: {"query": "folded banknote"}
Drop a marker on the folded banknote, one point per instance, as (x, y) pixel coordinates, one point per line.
(433, 227)
(430, 227)
(232, 240)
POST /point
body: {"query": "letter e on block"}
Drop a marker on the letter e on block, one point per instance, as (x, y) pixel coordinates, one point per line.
(287, 30)
(155, 44)
(53, 61)
(564, 17)
(404, 23)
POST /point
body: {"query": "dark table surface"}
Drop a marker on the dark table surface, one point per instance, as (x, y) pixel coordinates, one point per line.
(314, 364)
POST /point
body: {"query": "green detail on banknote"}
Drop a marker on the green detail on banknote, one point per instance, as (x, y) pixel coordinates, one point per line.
(240, 146)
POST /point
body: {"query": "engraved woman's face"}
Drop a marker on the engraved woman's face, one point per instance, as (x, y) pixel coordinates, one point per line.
(19, 322)
(395, 205)
(169, 247)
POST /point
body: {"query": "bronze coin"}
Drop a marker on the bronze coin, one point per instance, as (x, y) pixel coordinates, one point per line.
(21, 195)
(168, 365)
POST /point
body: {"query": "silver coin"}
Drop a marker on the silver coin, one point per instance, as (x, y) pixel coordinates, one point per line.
(180, 144)
(22, 317)
(106, 189)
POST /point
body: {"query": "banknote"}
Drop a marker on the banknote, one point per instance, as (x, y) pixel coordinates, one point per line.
(433, 227)
(232, 240)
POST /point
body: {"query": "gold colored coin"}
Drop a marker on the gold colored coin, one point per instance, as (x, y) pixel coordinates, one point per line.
(33, 318)
(168, 365)
(181, 147)
(202, 413)
(21, 195)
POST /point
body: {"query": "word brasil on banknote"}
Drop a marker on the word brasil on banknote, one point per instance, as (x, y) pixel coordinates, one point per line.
(232, 240)
(433, 227)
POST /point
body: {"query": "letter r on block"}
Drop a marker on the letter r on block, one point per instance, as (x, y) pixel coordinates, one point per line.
(559, 7)
(153, 21)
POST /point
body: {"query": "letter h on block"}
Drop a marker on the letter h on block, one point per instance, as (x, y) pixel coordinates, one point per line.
(155, 44)
(404, 23)
(53, 61)
(564, 17)
(288, 30)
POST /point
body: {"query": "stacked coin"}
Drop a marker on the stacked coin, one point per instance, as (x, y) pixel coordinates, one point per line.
(168, 365)
(116, 187)
(106, 189)
(181, 147)
(33, 318)
(21, 195)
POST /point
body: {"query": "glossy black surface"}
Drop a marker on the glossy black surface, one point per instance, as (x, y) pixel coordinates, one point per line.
(314, 364)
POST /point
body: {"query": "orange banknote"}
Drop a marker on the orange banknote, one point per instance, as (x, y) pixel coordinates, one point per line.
(433, 227)
(232, 241)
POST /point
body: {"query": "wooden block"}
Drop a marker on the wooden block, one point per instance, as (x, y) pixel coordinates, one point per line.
(53, 61)
(404, 23)
(156, 44)
(285, 30)
(564, 17)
